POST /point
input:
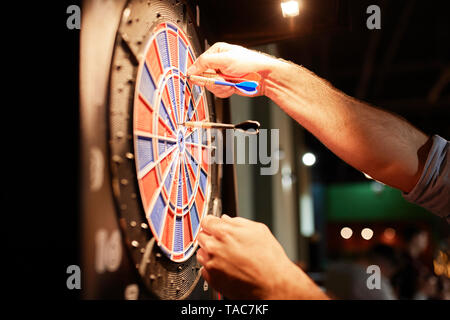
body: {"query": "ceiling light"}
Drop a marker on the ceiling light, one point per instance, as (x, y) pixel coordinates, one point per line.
(309, 159)
(367, 233)
(346, 233)
(290, 8)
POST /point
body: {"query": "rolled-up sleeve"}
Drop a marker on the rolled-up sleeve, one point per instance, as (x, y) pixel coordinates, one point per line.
(432, 191)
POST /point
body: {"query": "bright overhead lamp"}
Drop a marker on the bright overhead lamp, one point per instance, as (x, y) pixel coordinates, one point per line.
(308, 159)
(346, 233)
(290, 8)
(367, 233)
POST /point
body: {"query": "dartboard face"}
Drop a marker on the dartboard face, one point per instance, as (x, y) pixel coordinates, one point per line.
(172, 161)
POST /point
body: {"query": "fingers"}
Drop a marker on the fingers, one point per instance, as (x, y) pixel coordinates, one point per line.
(213, 58)
(208, 60)
(221, 91)
(218, 90)
(205, 259)
(208, 243)
(202, 256)
(213, 236)
(221, 57)
(215, 226)
(205, 275)
(220, 47)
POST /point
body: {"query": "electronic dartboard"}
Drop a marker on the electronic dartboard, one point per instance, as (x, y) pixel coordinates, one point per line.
(172, 161)
(149, 180)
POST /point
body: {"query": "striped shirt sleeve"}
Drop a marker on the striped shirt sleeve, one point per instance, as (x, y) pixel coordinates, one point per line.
(432, 191)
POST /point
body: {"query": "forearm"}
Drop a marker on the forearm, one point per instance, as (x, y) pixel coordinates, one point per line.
(374, 141)
(294, 284)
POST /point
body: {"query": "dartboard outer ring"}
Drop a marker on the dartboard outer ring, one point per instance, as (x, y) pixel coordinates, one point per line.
(165, 276)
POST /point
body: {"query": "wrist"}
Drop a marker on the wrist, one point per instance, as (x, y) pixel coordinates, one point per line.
(295, 284)
(273, 76)
(284, 83)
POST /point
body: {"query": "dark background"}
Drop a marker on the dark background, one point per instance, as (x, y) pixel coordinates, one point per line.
(40, 193)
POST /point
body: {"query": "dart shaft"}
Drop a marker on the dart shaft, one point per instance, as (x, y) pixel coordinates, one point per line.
(211, 75)
(203, 81)
(249, 126)
(202, 124)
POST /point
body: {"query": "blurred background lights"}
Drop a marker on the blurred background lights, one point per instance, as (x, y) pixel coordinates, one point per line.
(290, 8)
(389, 234)
(367, 233)
(308, 159)
(377, 187)
(306, 215)
(286, 178)
(346, 233)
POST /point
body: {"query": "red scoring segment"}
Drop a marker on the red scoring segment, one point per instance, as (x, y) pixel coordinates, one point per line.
(172, 172)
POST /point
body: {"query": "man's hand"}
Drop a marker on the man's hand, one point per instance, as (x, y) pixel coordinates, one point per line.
(231, 60)
(243, 260)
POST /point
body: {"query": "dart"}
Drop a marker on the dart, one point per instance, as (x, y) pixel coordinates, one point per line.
(248, 87)
(249, 126)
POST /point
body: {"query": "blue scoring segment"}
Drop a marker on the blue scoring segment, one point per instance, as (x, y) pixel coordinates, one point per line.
(178, 238)
(188, 181)
(161, 39)
(172, 97)
(163, 113)
(164, 145)
(156, 215)
(182, 85)
(144, 151)
(180, 190)
(196, 92)
(190, 110)
(169, 177)
(194, 219)
(147, 86)
(182, 55)
(195, 136)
